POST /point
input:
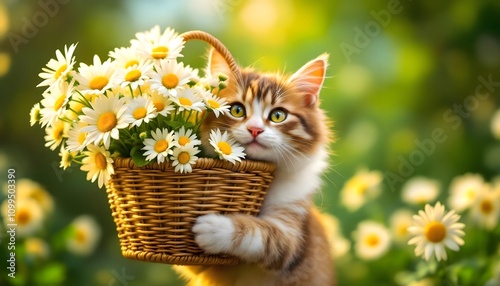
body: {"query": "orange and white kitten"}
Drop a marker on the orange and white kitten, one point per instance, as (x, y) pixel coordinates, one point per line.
(278, 119)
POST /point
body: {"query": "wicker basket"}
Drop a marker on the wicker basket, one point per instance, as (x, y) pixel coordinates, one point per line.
(154, 208)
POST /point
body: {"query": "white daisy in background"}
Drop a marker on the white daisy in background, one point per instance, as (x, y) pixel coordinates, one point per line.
(495, 124)
(420, 190)
(104, 119)
(362, 186)
(183, 158)
(139, 110)
(163, 105)
(463, 191)
(96, 78)
(433, 230)
(189, 99)
(155, 45)
(339, 244)
(216, 104)
(399, 222)
(226, 147)
(372, 240)
(160, 146)
(35, 115)
(28, 218)
(55, 134)
(58, 69)
(185, 137)
(76, 137)
(85, 235)
(54, 102)
(29, 189)
(36, 247)
(134, 76)
(170, 77)
(98, 164)
(126, 57)
(485, 210)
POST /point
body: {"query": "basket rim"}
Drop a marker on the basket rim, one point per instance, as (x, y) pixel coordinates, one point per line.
(201, 163)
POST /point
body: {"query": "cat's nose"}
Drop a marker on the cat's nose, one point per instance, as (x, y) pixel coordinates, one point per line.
(255, 131)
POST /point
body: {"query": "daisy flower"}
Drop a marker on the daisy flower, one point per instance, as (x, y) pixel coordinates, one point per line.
(96, 78)
(420, 190)
(400, 220)
(216, 104)
(485, 210)
(155, 45)
(372, 240)
(126, 57)
(104, 120)
(36, 247)
(170, 77)
(54, 102)
(55, 134)
(362, 186)
(98, 163)
(35, 115)
(29, 189)
(135, 75)
(85, 235)
(183, 157)
(463, 191)
(433, 230)
(66, 158)
(163, 104)
(227, 148)
(76, 138)
(339, 244)
(495, 124)
(189, 99)
(185, 137)
(160, 146)
(58, 69)
(139, 110)
(29, 216)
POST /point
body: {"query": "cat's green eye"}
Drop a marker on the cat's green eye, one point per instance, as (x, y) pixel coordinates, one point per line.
(237, 110)
(278, 115)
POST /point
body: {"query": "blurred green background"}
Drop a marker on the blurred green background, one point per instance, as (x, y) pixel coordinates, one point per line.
(398, 71)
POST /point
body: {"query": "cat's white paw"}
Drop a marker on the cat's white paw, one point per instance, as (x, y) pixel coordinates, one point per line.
(214, 233)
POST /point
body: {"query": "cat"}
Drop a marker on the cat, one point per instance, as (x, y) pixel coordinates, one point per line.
(276, 118)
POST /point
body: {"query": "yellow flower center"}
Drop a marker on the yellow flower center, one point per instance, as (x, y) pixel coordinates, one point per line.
(58, 132)
(161, 145)
(23, 217)
(184, 140)
(486, 207)
(100, 161)
(133, 75)
(131, 63)
(183, 157)
(160, 52)
(372, 240)
(106, 122)
(81, 137)
(435, 231)
(170, 80)
(98, 82)
(225, 148)
(470, 194)
(402, 230)
(185, 101)
(59, 102)
(80, 236)
(213, 104)
(159, 105)
(139, 113)
(60, 70)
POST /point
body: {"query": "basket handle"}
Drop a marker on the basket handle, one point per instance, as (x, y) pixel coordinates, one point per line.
(214, 42)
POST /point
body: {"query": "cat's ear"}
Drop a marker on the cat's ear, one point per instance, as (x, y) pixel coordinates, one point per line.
(217, 64)
(310, 77)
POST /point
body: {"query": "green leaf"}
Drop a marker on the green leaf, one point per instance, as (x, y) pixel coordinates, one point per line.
(51, 274)
(138, 157)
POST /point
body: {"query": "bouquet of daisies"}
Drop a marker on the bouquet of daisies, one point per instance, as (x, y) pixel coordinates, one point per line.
(141, 103)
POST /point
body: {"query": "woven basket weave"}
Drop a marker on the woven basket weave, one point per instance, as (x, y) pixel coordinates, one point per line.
(154, 208)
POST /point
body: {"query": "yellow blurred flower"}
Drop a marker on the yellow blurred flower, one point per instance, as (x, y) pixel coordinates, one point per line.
(420, 190)
(28, 216)
(485, 210)
(29, 189)
(36, 247)
(399, 223)
(85, 236)
(463, 191)
(339, 244)
(362, 186)
(372, 240)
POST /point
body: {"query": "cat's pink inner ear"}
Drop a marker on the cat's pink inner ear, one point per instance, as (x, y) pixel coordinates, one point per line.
(217, 63)
(309, 78)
